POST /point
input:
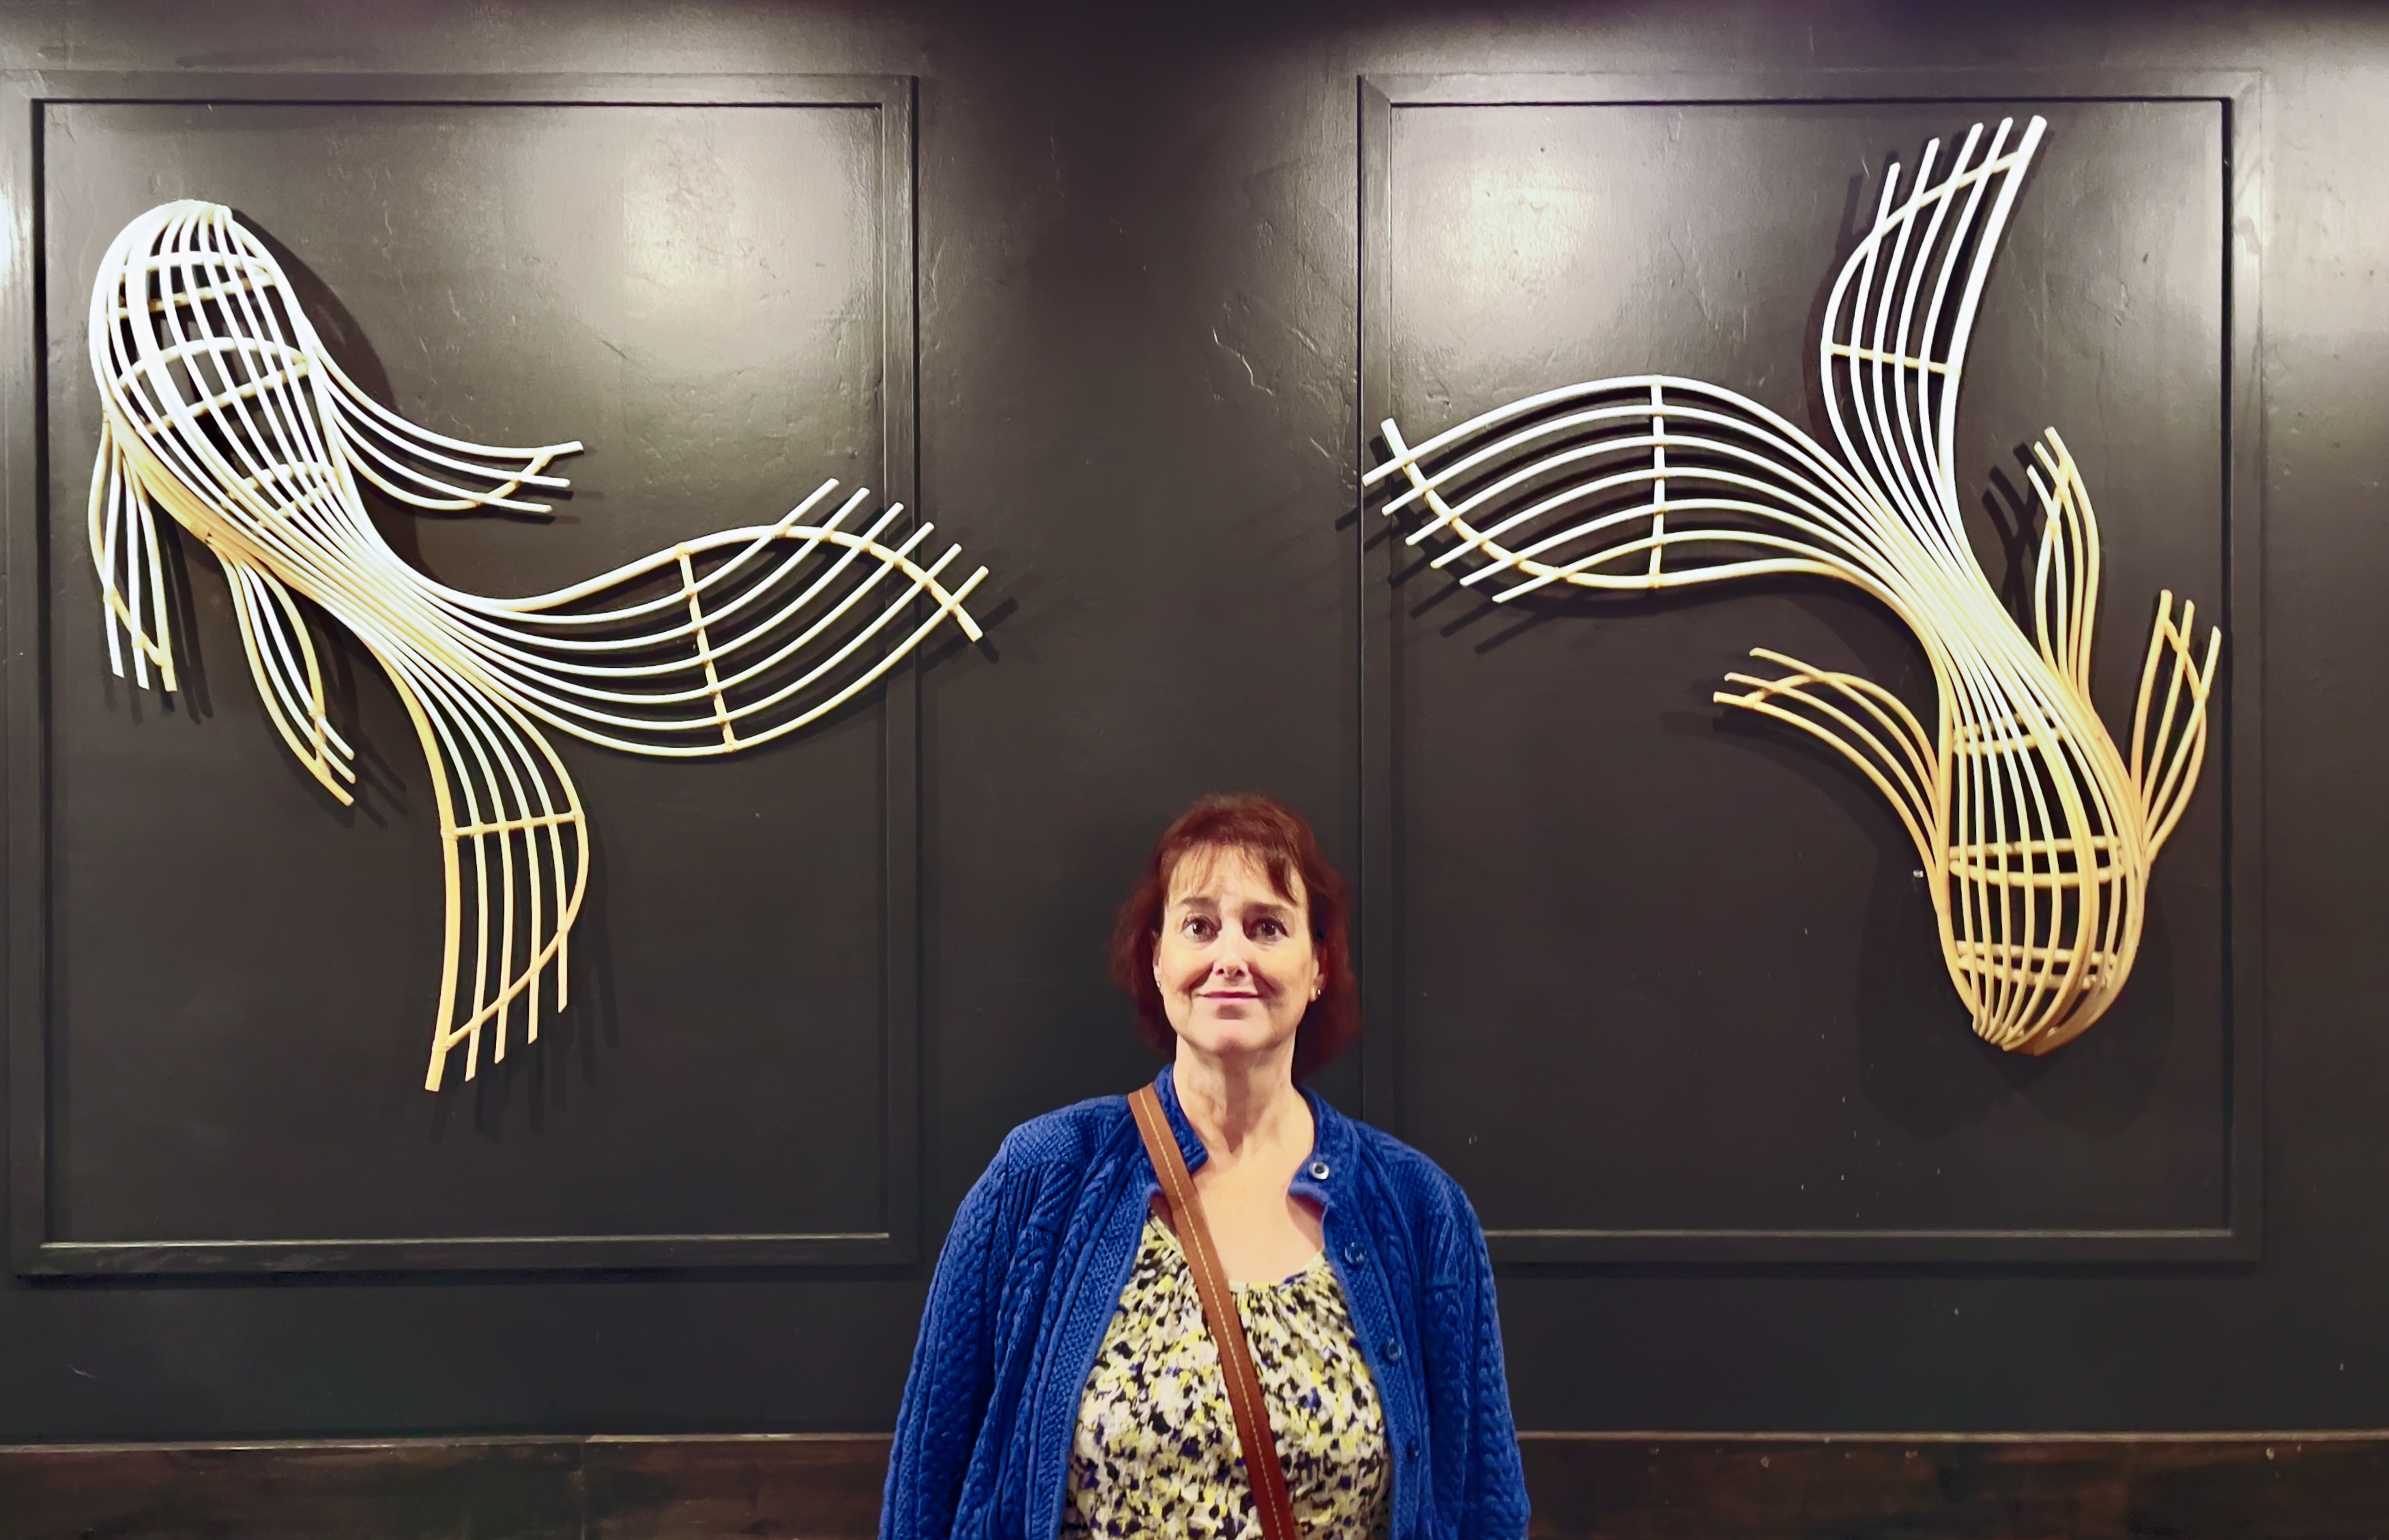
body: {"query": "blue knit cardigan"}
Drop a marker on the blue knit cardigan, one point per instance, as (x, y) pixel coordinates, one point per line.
(1033, 1272)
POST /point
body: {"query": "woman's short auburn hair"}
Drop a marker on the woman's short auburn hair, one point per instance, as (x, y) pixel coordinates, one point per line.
(1277, 837)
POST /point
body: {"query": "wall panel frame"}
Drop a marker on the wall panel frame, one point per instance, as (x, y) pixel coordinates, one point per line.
(2237, 734)
(38, 1246)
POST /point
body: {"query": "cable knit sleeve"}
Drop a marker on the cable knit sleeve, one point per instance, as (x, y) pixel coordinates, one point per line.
(952, 1374)
(1480, 1484)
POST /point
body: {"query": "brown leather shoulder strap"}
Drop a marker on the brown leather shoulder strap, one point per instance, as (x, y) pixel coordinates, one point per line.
(1261, 1465)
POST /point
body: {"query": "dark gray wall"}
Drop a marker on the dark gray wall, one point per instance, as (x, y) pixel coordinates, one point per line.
(1138, 357)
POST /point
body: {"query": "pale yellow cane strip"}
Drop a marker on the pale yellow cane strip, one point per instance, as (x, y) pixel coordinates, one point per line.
(2176, 644)
(2181, 780)
(251, 279)
(2005, 763)
(249, 621)
(1876, 355)
(2001, 954)
(2051, 575)
(1758, 701)
(1887, 709)
(134, 522)
(552, 950)
(452, 883)
(2164, 742)
(446, 757)
(1659, 482)
(705, 650)
(2007, 877)
(1910, 802)
(143, 525)
(318, 725)
(2189, 743)
(515, 825)
(2149, 667)
(2083, 533)
(100, 514)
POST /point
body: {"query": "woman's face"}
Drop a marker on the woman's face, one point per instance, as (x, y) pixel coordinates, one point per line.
(1236, 962)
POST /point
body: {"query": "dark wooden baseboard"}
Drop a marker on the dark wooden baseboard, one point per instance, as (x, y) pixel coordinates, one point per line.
(1630, 1486)
(2237, 1487)
(449, 1489)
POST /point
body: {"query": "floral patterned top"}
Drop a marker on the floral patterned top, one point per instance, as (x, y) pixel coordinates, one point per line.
(1156, 1453)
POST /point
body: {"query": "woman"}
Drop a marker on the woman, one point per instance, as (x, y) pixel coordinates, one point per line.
(1064, 1383)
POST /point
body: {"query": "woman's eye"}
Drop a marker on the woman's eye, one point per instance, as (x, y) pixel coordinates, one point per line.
(1196, 927)
(1270, 928)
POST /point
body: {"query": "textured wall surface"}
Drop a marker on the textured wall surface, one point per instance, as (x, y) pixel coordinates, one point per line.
(1138, 356)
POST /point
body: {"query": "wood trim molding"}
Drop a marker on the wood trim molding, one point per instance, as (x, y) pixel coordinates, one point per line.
(1617, 1486)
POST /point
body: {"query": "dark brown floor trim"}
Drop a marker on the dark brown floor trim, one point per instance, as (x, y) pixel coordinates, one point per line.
(2291, 1486)
(2311, 1485)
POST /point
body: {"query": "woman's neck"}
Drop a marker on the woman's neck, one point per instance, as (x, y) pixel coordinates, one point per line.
(1240, 1105)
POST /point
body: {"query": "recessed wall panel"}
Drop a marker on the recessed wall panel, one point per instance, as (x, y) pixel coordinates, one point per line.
(1664, 976)
(242, 974)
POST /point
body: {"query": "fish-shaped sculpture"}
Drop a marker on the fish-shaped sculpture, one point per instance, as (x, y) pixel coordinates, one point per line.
(2036, 830)
(223, 407)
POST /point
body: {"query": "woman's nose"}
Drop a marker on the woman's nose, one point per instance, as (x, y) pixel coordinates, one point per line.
(1231, 957)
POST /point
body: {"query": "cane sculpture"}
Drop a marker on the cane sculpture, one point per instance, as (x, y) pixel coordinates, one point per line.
(223, 407)
(2035, 833)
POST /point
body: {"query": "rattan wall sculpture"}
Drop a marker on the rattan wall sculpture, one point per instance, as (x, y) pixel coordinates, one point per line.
(2036, 831)
(224, 408)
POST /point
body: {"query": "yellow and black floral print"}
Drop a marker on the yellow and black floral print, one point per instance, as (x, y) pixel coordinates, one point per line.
(1156, 1453)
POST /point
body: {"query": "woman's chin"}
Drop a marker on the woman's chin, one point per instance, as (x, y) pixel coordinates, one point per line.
(1234, 1038)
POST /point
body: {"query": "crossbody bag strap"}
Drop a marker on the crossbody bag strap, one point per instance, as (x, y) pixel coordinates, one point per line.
(1261, 1465)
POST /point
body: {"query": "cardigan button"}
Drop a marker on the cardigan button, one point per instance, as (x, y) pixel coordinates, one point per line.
(1393, 1351)
(1319, 1172)
(1356, 1253)
(1410, 1450)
